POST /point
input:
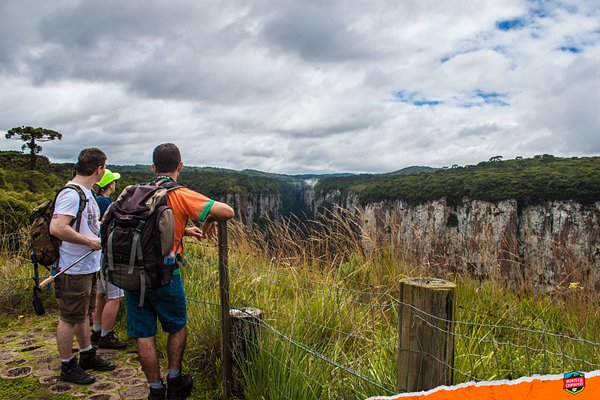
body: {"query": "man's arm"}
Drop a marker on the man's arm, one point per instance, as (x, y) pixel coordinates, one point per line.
(200, 209)
(60, 226)
(218, 212)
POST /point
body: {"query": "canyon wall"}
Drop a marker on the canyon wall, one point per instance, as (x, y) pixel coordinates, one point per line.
(556, 242)
(251, 208)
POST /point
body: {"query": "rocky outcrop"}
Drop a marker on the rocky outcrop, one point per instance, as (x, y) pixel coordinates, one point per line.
(251, 208)
(556, 242)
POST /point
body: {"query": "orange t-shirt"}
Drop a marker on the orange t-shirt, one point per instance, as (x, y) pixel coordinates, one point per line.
(186, 204)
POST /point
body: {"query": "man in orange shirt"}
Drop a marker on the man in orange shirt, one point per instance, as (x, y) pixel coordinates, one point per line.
(168, 303)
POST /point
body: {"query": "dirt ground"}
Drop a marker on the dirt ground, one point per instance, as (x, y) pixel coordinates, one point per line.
(28, 350)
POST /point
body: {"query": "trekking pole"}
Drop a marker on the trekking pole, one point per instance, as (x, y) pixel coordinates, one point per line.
(38, 306)
(51, 279)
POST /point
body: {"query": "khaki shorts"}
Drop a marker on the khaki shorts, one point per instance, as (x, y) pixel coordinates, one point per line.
(77, 298)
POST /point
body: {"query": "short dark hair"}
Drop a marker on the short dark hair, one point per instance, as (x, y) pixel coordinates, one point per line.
(166, 157)
(89, 160)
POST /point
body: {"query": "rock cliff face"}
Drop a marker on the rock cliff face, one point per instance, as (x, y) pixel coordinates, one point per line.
(556, 242)
(547, 244)
(251, 208)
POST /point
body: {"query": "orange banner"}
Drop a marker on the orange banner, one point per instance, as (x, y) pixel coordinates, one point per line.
(571, 386)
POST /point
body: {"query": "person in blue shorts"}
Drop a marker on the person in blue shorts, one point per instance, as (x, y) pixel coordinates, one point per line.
(168, 303)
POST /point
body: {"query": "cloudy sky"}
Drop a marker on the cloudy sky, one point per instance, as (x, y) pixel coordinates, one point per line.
(293, 86)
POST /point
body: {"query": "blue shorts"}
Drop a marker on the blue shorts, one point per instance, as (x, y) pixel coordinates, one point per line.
(167, 303)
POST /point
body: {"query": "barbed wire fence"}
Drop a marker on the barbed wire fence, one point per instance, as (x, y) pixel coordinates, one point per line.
(482, 351)
(304, 338)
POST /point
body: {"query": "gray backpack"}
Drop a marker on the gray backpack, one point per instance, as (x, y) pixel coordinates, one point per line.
(137, 234)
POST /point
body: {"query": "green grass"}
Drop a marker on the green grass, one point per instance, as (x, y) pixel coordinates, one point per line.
(28, 389)
(520, 333)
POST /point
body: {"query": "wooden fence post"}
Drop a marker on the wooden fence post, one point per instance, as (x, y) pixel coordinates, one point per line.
(426, 334)
(245, 331)
(225, 319)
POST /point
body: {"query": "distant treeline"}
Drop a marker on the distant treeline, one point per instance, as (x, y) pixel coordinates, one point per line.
(15, 175)
(21, 189)
(529, 181)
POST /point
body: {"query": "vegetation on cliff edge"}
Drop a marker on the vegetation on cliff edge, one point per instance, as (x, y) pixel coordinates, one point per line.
(529, 181)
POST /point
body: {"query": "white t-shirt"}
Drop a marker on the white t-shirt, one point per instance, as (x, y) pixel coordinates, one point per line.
(67, 203)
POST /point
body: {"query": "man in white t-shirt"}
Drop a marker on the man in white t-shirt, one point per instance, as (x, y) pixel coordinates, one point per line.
(78, 284)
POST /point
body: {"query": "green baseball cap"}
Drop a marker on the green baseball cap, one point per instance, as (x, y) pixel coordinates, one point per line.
(108, 178)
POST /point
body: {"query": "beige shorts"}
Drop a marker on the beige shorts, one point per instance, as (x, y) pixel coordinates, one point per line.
(109, 290)
(77, 297)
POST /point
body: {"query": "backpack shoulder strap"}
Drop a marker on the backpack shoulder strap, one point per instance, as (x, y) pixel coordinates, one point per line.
(166, 182)
(172, 185)
(82, 204)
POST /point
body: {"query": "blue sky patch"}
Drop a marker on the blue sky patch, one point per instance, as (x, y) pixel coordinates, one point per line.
(476, 98)
(415, 99)
(510, 24)
(493, 98)
(570, 49)
(420, 103)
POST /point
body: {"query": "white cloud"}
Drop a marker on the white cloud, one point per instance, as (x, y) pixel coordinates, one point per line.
(305, 86)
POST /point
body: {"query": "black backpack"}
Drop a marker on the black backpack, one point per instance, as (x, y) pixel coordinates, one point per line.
(44, 246)
(137, 233)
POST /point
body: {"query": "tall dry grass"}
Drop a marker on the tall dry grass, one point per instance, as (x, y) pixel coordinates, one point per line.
(16, 272)
(511, 326)
(328, 292)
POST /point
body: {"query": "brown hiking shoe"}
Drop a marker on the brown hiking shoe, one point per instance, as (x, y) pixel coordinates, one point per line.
(110, 341)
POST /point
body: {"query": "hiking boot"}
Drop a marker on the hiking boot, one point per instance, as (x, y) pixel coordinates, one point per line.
(179, 387)
(110, 341)
(94, 337)
(89, 360)
(72, 372)
(157, 394)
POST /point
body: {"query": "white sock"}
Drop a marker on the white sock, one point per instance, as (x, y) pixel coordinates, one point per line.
(156, 385)
(86, 349)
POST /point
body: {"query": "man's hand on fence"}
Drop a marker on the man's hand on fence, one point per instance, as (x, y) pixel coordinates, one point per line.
(194, 231)
(209, 229)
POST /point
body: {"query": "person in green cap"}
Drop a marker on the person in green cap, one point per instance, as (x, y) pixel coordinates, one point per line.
(109, 297)
(105, 187)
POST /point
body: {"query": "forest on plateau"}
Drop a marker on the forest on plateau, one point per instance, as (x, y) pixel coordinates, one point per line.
(526, 180)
